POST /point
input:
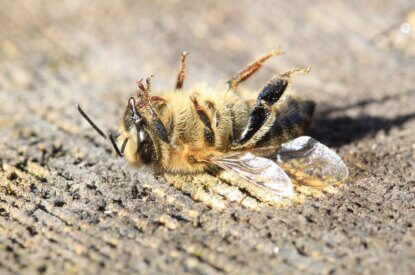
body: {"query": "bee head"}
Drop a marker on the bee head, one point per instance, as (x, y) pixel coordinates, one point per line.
(139, 134)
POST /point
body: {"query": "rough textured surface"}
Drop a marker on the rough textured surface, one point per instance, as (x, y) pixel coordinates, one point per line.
(67, 204)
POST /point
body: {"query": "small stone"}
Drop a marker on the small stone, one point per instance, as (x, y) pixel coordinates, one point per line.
(276, 250)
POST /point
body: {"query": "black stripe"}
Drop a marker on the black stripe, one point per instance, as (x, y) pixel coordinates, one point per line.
(234, 126)
(204, 118)
(209, 136)
(208, 131)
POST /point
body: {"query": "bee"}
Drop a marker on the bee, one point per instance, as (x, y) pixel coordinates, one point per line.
(215, 130)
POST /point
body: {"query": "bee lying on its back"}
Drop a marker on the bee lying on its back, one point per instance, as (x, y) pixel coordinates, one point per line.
(216, 131)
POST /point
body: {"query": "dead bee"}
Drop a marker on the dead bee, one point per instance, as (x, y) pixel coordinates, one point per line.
(208, 130)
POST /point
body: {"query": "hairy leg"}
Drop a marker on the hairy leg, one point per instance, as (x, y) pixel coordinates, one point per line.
(155, 120)
(250, 69)
(215, 192)
(182, 71)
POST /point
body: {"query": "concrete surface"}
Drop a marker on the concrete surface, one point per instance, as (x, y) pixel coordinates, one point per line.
(68, 205)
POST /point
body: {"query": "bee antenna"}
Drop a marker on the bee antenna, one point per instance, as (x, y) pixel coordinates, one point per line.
(112, 134)
(123, 145)
(87, 118)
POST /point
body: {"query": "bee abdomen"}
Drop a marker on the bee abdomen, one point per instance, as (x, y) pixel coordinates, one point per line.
(291, 121)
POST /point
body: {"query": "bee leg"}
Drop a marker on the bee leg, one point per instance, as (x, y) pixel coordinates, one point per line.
(211, 191)
(192, 185)
(182, 71)
(216, 184)
(257, 194)
(250, 69)
(158, 101)
(160, 129)
(261, 111)
(269, 95)
(156, 122)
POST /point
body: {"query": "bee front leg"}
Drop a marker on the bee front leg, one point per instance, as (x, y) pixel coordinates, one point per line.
(159, 127)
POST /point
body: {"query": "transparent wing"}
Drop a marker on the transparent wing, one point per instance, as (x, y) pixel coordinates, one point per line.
(309, 162)
(256, 170)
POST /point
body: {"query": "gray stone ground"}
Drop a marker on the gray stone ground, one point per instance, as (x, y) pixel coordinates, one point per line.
(68, 205)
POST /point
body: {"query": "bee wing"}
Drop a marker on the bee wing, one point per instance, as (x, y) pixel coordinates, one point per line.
(309, 162)
(256, 170)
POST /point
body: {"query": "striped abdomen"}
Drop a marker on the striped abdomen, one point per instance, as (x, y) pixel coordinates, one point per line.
(289, 121)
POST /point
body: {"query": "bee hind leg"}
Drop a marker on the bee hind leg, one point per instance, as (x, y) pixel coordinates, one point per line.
(250, 69)
(261, 111)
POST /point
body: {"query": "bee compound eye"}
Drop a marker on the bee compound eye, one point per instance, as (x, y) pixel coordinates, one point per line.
(146, 150)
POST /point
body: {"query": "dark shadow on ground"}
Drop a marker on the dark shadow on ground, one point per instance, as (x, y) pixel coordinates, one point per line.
(340, 130)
